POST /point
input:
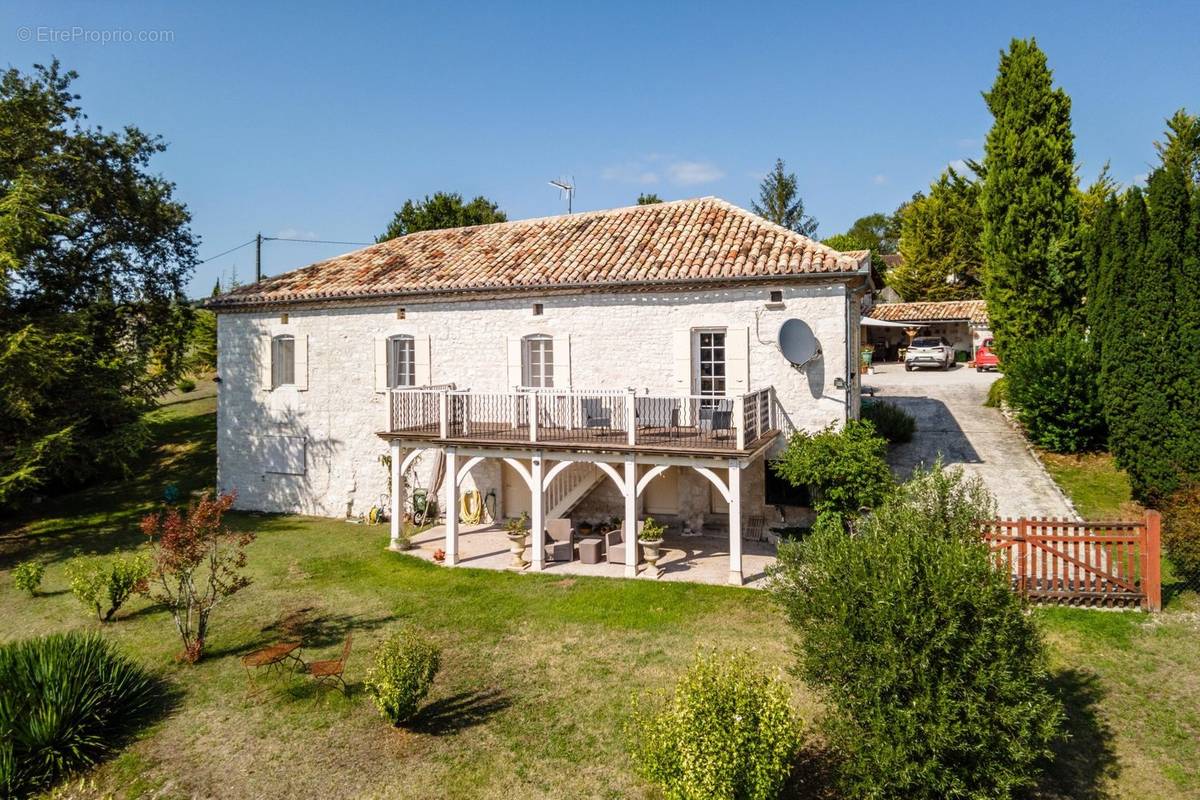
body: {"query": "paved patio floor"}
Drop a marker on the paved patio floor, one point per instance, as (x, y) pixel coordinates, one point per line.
(697, 559)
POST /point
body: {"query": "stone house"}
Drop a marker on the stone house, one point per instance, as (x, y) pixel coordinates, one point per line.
(594, 365)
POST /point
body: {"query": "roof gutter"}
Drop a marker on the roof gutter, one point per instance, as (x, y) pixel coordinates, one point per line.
(228, 304)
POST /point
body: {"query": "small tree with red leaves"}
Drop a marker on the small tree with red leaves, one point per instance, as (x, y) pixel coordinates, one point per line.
(198, 562)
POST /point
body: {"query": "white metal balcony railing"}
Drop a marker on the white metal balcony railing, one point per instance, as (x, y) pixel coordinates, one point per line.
(600, 417)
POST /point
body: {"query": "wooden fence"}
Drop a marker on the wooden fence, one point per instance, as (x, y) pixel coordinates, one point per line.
(1086, 563)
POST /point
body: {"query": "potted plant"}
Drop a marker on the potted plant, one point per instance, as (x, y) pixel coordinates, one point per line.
(516, 531)
(651, 538)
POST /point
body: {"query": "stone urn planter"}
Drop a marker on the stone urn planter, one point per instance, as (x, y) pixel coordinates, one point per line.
(651, 539)
(515, 530)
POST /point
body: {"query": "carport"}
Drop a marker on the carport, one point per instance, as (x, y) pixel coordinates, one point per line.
(890, 327)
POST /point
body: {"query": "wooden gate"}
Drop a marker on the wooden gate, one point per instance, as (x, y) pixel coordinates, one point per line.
(1087, 563)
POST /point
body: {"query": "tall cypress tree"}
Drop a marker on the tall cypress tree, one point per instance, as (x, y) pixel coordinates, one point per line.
(1032, 266)
(1099, 252)
(1185, 395)
(1121, 377)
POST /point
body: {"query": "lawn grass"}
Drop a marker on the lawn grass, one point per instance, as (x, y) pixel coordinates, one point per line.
(1097, 488)
(538, 671)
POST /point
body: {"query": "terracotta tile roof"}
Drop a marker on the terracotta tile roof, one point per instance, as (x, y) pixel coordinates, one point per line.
(685, 241)
(971, 310)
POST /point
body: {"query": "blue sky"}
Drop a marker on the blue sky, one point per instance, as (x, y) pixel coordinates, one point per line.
(318, 120)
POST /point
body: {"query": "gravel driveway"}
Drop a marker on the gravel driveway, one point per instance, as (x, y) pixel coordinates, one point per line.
(952, 421)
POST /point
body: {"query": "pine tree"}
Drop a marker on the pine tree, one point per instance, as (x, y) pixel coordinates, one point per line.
(1181, 145)
(1032, 276)
(780, 202)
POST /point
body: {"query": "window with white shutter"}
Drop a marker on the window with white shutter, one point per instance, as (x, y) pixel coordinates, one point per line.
(283, 361)
(401, 362)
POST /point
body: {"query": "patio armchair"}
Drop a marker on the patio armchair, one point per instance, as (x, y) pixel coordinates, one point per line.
(718, 417)
(560, 540)
(595, 415)
(614, 545)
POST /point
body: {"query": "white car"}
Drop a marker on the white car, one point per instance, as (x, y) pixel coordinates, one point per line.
(929, 351)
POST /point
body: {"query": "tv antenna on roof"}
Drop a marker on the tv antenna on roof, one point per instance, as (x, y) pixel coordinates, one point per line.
(569, 188)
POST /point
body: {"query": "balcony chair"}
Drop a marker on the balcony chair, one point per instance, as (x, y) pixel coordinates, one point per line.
(595, 415)
(657, 412)
(718, 417)
(560, 540)
(614, 545)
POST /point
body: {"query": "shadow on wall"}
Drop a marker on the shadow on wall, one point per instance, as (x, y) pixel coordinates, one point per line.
(938, 433)
(287, 468)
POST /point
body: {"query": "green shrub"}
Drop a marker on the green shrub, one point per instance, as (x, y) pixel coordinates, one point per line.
(1181, 533)
(28, 576)
(404, 668)
(845, 469)
(186, 385)
(935, 676)
(727, 732)
(891, 422)
(96, 582)
(65, 701)
(997, 393)
(1053, 385)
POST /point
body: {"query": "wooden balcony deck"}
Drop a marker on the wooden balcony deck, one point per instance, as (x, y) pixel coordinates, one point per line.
(582, 421)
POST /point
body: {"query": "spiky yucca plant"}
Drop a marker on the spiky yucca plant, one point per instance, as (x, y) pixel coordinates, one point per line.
(66, 701)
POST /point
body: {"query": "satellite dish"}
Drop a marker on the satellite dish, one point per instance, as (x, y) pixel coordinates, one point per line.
(797, 342)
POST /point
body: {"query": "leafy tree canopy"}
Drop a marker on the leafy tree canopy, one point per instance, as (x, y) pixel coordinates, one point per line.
(779, 201)
(443, 210)
(648, 199)
(939, 239)
(94, 255)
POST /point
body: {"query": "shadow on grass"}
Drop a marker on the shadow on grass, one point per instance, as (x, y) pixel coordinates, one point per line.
(814, 776)
(456, 713)
(1084, 763)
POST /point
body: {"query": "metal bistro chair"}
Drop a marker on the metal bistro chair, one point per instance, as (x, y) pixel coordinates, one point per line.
(329, 671)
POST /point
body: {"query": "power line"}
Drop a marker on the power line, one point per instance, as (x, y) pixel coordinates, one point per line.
(226, 252)
(310, 241)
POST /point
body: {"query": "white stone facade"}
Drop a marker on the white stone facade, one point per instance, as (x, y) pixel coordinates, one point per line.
(601, 341)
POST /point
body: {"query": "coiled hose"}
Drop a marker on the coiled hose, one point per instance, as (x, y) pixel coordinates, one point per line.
(472, 507)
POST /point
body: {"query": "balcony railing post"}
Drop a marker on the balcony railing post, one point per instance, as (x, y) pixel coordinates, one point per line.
(533, 416)
(444, 414)
(739, 420)
(631, 418)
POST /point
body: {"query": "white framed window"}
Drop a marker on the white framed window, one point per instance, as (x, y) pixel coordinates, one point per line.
(283, 361)
(401, 362)
(537, 362)
(708, 362)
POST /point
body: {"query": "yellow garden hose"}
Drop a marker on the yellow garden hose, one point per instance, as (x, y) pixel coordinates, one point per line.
(472, 507)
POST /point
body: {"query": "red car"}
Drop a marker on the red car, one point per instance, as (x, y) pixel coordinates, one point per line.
(985, 356)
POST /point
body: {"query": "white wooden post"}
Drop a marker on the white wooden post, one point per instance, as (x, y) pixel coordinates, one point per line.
(396, 509)
(443, 413)
(537, 528)
(631, 418)
(631, 543)
(735, 523)
(533, 416)
(451, 484)
(739, 420)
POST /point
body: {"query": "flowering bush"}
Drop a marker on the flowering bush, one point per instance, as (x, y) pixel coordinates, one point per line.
(728, 731)
(404, 669)
(197, 564)
(97, 581)
(28, 576)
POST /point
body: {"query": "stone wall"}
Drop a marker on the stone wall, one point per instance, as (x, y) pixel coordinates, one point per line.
(612, 341)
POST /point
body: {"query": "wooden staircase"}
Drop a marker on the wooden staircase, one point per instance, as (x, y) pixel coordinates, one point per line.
(570, 487)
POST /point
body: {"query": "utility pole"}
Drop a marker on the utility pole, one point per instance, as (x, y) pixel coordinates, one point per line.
(258, 258)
